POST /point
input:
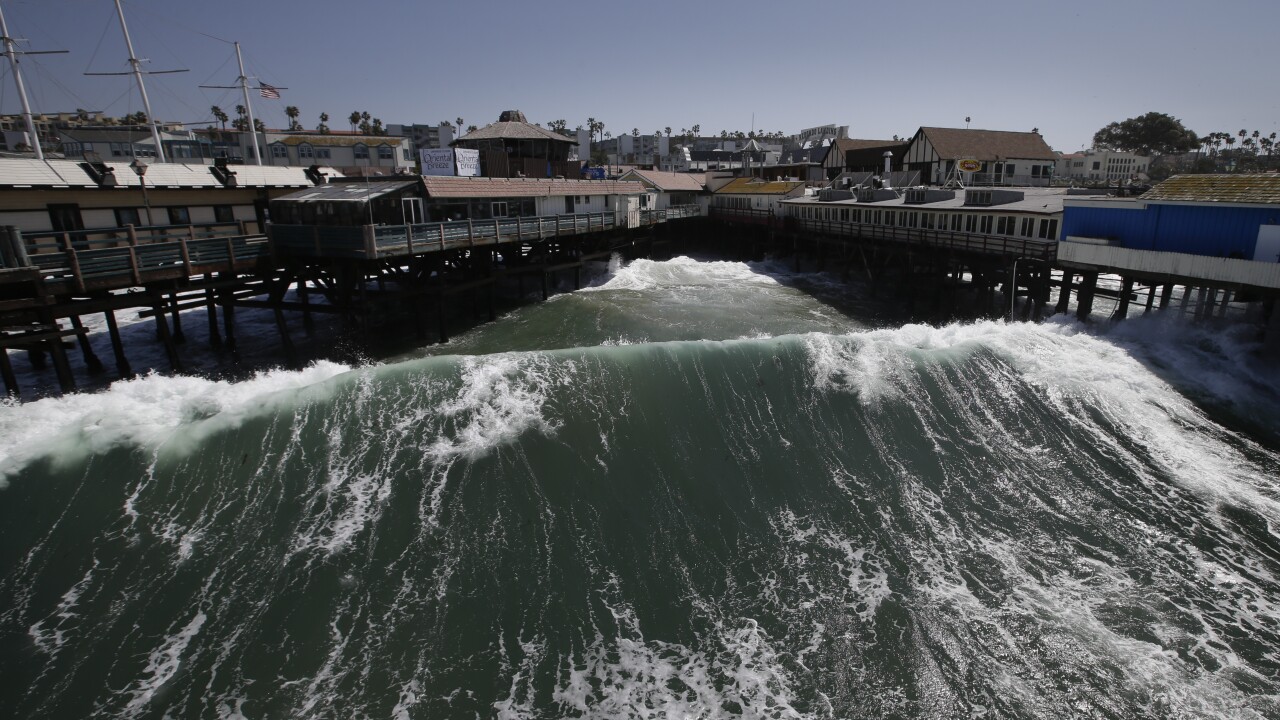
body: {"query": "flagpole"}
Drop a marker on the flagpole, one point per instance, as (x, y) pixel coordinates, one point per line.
(248, 108)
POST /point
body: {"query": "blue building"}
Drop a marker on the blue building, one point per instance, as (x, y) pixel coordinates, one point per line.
(1225, 216)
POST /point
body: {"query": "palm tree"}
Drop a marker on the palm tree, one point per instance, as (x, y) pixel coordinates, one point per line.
(668, 130)
(220, 116)
(354, 119)
(291, 112)
(323, 127)
(459, 121)
(377, 127)
(241, 122)
(635, 132)
(695, 129)
(365, 117)
(472, 128)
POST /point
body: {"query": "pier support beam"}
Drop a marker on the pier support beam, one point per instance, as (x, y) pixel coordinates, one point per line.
(211, 307)
(6, 371)
(117, 345)
(1064, 294)
(178, 336)
(162, 329)
(1166, 292)
(91, 361)
(1122, 308)
(1084, 300)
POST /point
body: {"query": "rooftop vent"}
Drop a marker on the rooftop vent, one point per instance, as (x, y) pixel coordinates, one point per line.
(987, 198)
(920, 196)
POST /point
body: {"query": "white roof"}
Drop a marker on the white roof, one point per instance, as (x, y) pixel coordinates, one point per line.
(29, 172)
(269, 176)
(166, 175)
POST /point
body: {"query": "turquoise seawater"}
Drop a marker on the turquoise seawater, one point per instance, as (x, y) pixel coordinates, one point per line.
(696, 489)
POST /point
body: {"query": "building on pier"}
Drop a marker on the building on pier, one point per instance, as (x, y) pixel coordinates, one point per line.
(44, 196)
(756, 196)
(670, 189)
(1212, 228)
(513, 147)
(1006, 158)
(1029, 213)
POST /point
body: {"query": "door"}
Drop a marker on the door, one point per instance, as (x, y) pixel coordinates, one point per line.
(65, 217)
(411, 211)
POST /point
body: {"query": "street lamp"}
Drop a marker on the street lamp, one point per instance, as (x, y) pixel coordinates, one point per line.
(140, 167)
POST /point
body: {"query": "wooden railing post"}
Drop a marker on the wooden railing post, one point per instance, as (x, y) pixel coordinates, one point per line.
(408, 236)
(186, 255)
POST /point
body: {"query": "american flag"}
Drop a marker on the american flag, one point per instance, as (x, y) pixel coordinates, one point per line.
(269, 92)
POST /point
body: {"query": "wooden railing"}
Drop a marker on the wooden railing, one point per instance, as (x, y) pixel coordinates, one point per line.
(1040, 249)
(122, 257)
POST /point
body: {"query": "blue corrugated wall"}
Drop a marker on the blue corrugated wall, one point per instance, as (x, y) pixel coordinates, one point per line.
(1194, 229)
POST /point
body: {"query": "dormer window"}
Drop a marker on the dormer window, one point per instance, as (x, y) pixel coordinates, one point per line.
(280, 151)
(306, 151)
(361, 151)
(384, 153)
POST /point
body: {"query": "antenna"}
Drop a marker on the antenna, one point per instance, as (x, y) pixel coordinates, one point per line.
(13, 54)
(137, 73)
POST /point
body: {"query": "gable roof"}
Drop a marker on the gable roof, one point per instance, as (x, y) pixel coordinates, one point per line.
(959, 143)
(847, 144)
(1251, 188)
(667, 181)
(514, 130)
(469, 187)
(753, 186)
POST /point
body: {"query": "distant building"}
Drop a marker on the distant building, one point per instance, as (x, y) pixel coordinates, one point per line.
(350, 153)
(853, 155)
(126, 143)
(634, 149)
(1103, 165)
(424, 136)
(13, 129)
(1005, 158)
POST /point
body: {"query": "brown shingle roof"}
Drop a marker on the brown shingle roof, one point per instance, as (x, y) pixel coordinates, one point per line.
(669, 181)
(1254, 188)
(958, 143)
(514, 131)
(847, 144)
(466, 187)
(753, 186)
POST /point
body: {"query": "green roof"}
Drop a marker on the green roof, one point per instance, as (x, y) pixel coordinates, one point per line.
(1252, 188)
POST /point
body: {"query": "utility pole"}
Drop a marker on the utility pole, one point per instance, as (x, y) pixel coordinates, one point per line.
(13, 54)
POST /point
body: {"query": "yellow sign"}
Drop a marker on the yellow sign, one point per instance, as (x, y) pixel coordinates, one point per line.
(969, 165)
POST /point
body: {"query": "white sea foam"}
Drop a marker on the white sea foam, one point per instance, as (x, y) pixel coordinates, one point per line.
(162, 665)
(501, 397)
(1074, 370)
(683, 271)
(146, 411)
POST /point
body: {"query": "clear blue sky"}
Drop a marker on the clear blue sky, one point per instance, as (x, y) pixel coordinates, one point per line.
(883, 68)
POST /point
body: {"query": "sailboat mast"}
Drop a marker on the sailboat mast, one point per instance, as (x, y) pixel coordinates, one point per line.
(142, 88)
(22, 90)
(248, 107)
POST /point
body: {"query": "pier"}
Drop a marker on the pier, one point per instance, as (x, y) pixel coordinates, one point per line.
(371, 276)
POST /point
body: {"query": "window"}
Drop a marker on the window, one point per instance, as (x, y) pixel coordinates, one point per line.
(498, 209)
(119, 149)
(71, 149)
(1049, 229)
(1097, 165)
(985, 225)
(1028, 227)
(971, 223)
(65, 217)
(1004, 225)
(404, 154)
(322, 153)
(306, 151)
(278, 150)
(127, 216)
(223, 214)
(568, 203)
(361, 151)
(179, 216)
(384, 153)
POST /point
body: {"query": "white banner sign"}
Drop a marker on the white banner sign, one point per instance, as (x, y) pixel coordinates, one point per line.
(468, 162)
(436, 162)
